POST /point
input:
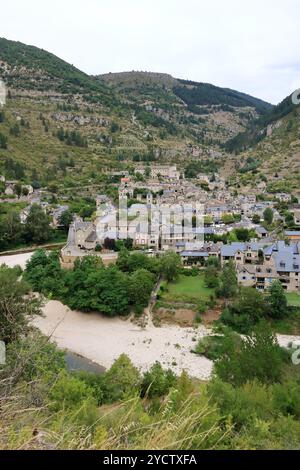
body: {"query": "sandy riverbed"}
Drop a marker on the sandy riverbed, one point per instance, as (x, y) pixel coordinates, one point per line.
(16, 260)
(102, 340)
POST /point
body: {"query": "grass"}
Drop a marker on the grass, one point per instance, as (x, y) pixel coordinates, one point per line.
(289, 325)
(188, 288)
(293, 299)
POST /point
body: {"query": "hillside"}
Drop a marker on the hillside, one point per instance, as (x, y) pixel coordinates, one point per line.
(211, 114)
(204, 94)
(61, 126)
(270, 148)
(30, 68)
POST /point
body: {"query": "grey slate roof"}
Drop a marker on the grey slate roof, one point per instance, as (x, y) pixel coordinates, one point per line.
(230, 250)
(287, 262)
(92, 237)
(261, 230)
(194, 254)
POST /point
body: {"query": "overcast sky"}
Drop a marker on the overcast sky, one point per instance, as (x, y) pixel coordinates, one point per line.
(248, 45)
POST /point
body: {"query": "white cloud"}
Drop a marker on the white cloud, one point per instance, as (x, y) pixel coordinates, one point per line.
(252, 46)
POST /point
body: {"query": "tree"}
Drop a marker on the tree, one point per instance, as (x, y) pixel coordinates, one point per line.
(25, 191)
(228, 281)
(247, 310)
(3, 141)
(37, 227)
(258, 357)
(11, 229)
(289, 219)
(122, 380)
(213, 261)
(277, 300)
(256, 219)
(124, 244)
(104, 290)
(268, 216)
(123, 260)
(36, 355)
(228, 218)
(242, 234)
(17, 305)
(141, 283)
(211, 277)
(170, 265)
(137, 261)
(157, 381)
(18, 189)
(39, 258)
(66, 219)
(15, 130)
(44, 273)
(69, 392)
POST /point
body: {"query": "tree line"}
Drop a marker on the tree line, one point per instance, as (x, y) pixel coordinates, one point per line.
(36, 228)
(90, 286)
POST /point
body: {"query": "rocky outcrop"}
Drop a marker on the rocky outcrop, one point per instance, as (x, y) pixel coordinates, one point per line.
(271, 127)
(80, 119)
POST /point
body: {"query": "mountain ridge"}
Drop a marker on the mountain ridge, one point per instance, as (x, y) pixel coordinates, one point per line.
(122, 117)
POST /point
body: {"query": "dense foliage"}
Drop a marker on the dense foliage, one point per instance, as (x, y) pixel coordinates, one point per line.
(249, 306)
(252, 401)
(194, 93)
(91, 286)
(36, 229)
(17, 305)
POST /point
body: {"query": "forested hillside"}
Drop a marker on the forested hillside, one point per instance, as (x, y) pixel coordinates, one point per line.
(62, 126)
(194, 94)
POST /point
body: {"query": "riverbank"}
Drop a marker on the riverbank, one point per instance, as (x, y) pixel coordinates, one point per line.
(102, 340)
(13, 260)
(32, 248)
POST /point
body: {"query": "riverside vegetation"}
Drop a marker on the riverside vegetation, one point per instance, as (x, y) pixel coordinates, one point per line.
(252, 401)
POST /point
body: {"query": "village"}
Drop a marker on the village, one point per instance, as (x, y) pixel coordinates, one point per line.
(197, 219)
(258, 260)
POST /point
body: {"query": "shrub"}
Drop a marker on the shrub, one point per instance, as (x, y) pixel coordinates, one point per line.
(157, 381)
(69, 392)
(121, 381)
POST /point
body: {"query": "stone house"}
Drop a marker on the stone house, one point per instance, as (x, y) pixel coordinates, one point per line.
(258, 265)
